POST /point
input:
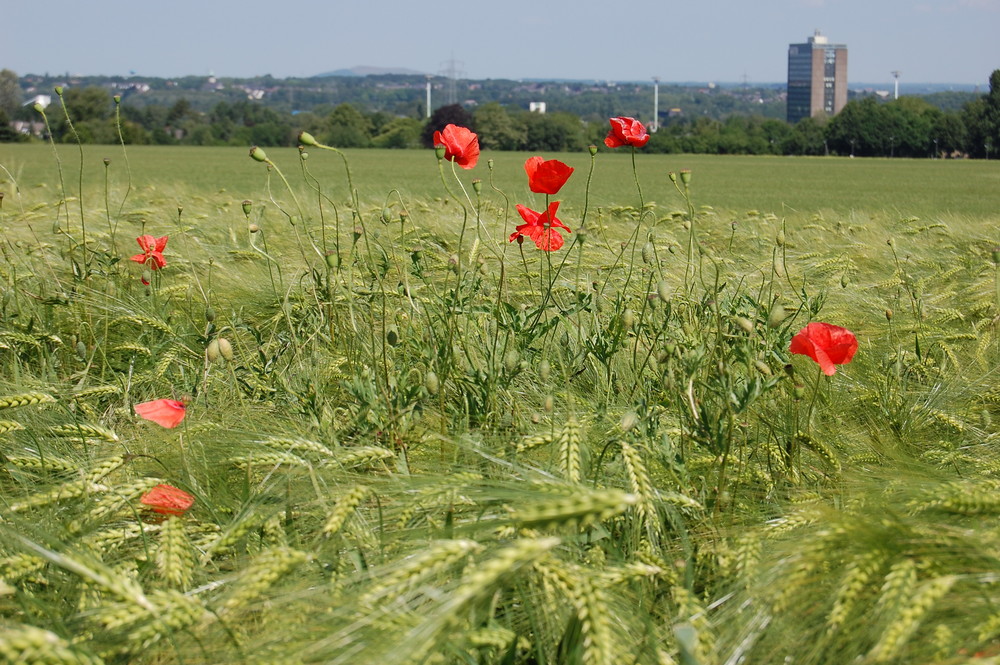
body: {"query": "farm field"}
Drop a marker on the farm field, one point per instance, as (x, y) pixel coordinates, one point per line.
(746, 414)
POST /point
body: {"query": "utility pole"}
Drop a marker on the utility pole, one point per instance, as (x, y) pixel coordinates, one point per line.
(895, 75)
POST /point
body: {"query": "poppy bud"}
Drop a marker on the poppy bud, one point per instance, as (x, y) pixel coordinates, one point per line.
(844, 281)
(762, 367)
(663, 291)
(225, 348)
(686, 176)
(209, 314)
(439, 152)
(996, 256)
(544, 369)
(247, 206)
(38, 107)
(453, 262)
(628, 319)
(305, 138)
(548, 404)
(257, 154)
(670, 347)
(798, 391)
(511, 360)
(431, 383)
(118, 99)
(648, 253)
(358, 232)
(888, 314)
(672, 176)
(776, 315)
(477, 185)
(107, 161)
(672, 249)
(629, 421)
(780, 238)
(536, 418)
(59, 90)
(212, 351)
(81, 350)
(253, 228)
(745, 324)
(303, 155)
(890, 242)
(180, 210)
(592, 149)
(146, 277)
(392, 336)
(789, 371)
(662, 356)
(386, 215)
(520, 240)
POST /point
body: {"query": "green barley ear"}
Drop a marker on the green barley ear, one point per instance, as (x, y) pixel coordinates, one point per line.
(21, 643)
(265, 569)
(174, 557)
(569, 452)
(908, 616)
(344, 509)
(25, 399)
(581, 509)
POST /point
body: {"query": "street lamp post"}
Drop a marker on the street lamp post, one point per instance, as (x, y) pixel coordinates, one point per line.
(656, 105)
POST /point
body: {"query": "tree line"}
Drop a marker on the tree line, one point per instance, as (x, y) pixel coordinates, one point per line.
(906, 127)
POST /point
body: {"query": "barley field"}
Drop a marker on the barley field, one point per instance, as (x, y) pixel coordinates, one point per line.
(320, 408)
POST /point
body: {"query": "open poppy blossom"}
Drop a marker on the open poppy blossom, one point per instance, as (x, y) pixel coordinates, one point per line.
(461, 145)
(827, 344)
(546, 176)
(167, 500)
(541, 227)
(152, 249)
(626, 131)
(164, 412)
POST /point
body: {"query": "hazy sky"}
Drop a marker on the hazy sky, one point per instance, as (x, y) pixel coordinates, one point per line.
(929, 41)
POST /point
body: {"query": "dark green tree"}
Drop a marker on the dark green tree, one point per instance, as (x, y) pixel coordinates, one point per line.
(10, 92)
(498, 129)
(452, 114)
(348, 128)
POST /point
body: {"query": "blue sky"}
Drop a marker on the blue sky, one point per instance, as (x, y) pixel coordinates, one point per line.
(929, 41)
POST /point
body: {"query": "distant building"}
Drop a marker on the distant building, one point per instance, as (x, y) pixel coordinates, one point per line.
(536, 107)
(817, 78)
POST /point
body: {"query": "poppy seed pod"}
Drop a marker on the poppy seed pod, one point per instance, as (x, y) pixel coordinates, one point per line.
(477, 185)
(305, 138)
(247, 206)
(996, 256)
(439, 152)
(107, 161)
(592, 149)
(686, 176)
(257, 154)
(118, 99)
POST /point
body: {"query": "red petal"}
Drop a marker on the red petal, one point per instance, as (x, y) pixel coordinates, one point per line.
(164, 412)
(167, 500)
(160, 244)
(139, 258)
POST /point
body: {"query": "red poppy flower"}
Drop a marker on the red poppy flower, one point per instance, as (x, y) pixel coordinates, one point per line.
(546, 176)
(167, 500)
(541, 227)
(152, 249)
(164, 412)
(461, 145)
(827, 344)
(626, 131)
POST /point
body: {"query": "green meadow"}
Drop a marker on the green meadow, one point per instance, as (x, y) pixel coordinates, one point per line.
(406, 439)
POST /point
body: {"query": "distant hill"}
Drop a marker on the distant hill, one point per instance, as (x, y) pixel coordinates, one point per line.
(365, 70)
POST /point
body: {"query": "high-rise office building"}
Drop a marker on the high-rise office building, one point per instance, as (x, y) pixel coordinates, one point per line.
(817, 78)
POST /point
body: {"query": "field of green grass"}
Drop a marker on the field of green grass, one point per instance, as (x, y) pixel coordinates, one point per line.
(785, 186)
(408, 440)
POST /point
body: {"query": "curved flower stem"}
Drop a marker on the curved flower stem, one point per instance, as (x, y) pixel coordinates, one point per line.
(79, 145)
